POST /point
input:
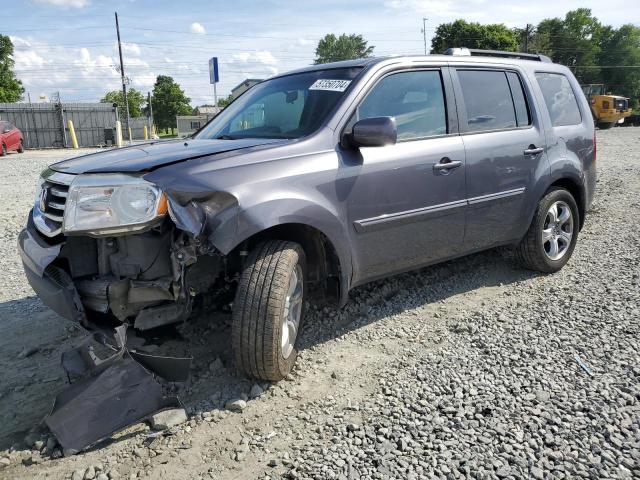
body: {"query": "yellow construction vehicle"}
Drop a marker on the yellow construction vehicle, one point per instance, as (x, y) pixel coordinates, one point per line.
(607, 109)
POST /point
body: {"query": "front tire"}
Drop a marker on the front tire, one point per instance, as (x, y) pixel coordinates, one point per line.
(268, 310)
(549, 243)
(3, 150)
(21, 147)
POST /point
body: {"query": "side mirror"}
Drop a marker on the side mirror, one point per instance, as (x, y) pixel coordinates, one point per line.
(374, 132)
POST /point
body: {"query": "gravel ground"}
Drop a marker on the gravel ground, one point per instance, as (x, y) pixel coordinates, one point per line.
(470, 369)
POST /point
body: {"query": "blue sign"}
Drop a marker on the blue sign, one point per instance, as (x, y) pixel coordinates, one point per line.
(213, 70)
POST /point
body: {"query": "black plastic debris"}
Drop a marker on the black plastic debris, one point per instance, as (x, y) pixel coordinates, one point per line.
(107, 394)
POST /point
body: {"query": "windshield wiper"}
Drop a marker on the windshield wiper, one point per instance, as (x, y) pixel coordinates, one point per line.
(227, 137)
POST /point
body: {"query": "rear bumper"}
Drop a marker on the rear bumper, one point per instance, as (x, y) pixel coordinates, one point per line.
(52, 284)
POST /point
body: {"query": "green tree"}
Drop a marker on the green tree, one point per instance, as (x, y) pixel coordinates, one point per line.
(168, 101)
(621, 49)
(135, 99)
(345, 47)
(573, 41)
(225, 101)
(11, 88)
(473, 35)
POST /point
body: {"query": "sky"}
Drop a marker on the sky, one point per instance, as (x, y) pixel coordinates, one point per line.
(70, 46)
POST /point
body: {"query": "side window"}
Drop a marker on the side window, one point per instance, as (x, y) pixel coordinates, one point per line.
(560, 99)
(523, 117)
(488, 101)
(414, 99)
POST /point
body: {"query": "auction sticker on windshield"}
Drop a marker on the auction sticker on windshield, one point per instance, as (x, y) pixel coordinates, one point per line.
(330, 85)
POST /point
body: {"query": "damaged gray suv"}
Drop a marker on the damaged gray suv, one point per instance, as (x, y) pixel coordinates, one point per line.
(314, 182)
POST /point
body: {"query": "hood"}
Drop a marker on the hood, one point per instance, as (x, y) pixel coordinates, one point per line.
(149, 156)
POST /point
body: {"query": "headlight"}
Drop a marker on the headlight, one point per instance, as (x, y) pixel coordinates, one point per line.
(112, 203)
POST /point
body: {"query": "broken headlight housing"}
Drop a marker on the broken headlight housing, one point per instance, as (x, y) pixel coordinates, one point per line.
(112, 204)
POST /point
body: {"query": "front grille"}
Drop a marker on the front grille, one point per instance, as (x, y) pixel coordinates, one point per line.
(48, 212)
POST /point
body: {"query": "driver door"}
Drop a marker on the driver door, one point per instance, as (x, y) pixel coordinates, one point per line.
(405, 210)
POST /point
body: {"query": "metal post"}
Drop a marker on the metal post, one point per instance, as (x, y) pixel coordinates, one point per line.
(150, 113)
(215, 95)
(526, 38)
(124, 83)
(424, 33)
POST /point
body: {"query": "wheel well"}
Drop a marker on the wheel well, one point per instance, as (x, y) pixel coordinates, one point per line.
(323, 264)
(575, 190)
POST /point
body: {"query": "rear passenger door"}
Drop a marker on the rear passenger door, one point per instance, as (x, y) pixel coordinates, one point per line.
(505, 151)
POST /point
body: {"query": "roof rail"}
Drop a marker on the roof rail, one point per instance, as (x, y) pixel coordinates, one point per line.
(497, 53)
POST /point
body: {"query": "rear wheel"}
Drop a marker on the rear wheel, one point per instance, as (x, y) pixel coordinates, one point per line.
(605, 125)
(268, 310)
(3, 152)
(552, 236)
(21, 147)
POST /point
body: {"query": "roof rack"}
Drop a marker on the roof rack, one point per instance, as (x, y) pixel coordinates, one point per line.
(497, 53)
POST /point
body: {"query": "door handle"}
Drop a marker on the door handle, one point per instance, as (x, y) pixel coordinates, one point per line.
(446, 164)
(533, 150)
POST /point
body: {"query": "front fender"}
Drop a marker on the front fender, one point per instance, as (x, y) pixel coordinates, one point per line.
(287, 210)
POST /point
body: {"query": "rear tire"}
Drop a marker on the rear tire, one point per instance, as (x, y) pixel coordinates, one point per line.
(605, 125)
(549, 243)
(269, 309)
(3, 151)
(21, 147)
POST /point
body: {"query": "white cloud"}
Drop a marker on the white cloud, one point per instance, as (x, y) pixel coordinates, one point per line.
(131, 48)
(197, 28)
(440, 8)
(64, 3)
(263, 56)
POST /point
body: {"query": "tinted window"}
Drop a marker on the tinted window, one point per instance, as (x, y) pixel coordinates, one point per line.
(560, 99)
(414, 99)
(291, 106)
(487, 98)
(519, 100)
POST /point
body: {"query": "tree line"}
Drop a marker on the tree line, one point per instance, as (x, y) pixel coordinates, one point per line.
(596, 53)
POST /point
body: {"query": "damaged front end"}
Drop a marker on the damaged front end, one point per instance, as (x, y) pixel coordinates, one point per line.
(138, 268)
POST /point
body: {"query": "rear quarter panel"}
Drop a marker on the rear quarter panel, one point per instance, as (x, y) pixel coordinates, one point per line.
(570, 148)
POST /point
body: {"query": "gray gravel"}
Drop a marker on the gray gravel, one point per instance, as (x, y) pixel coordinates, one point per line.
(471, 369)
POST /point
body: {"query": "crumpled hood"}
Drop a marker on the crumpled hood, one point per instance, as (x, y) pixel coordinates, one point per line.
(146, 157)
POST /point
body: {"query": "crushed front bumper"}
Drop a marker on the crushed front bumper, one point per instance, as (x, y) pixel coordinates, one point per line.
(52, 284)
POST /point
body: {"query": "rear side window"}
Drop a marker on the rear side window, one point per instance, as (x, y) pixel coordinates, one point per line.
(415, 99)
(487, 99)
(560, 99)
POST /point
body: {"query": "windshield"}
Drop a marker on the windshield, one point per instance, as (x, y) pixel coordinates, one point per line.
(292, 106)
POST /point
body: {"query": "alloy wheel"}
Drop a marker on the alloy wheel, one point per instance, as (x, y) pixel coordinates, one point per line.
(292, 312)
(557, 230)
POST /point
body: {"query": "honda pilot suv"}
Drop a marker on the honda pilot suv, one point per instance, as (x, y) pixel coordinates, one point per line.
(312, 183)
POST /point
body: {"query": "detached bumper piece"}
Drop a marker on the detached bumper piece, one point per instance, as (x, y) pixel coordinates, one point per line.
(108, 394)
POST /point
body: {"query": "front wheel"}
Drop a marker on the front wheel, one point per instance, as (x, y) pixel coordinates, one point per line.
(21, 147)
(268, 310)
(3, 151)
(552, 236)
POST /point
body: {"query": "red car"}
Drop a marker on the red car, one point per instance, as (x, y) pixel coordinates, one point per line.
(10, 138)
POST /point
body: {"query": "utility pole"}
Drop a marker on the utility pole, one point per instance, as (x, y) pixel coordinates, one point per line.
(150, 113)
(124, 82)
(424, 33)
(526, 37)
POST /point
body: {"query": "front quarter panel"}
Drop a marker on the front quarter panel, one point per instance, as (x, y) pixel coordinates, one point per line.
(259, 193)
